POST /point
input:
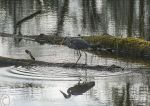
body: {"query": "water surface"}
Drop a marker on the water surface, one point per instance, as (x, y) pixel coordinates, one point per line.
(39, 85)
(36, 86)
(70, 17)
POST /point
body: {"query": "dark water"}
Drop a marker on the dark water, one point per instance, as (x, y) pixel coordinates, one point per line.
(40, 86)
(71, 17)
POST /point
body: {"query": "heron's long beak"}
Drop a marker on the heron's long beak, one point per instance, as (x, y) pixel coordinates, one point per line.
(65, 95)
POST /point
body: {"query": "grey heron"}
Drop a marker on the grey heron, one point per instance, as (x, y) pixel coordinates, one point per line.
(78, 44)
(78, 89)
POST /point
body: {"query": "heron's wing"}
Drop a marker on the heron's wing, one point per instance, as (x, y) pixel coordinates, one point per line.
(79, 43)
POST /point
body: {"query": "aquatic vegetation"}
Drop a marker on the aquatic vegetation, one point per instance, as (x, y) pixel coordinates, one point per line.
(127, 46)
(130, 46)
(48, 39)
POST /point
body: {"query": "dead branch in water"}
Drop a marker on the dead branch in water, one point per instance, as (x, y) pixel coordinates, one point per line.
(29, 17)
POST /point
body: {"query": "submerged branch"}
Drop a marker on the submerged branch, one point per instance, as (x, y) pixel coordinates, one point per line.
(29, 17)
(130, 47)
(4, 62)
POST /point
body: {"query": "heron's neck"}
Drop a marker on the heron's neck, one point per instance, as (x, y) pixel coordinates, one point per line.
(68, 96)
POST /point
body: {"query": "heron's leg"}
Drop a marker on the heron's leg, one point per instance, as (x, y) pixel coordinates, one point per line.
(79, 57)
(79, 81)
(78, 54)
(85, 58)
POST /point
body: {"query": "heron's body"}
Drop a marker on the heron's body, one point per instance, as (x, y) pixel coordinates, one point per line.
(77, 43)
(78, 89)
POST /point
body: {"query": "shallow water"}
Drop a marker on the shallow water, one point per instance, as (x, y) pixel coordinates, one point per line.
(42, 85)
(71, 17)
(36, 86)
(56, 53)
(30, 86)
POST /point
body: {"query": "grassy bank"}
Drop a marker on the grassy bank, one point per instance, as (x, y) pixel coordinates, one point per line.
(131, 47)
(134, 47)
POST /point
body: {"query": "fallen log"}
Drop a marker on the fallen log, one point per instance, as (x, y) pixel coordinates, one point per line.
(48, 39)
(129, 47)
(5, 62)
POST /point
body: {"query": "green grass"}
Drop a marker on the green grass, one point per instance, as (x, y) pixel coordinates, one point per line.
(131, 46)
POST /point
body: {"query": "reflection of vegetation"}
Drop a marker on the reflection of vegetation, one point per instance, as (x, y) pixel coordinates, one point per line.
(27, 85)
(51, 5)
(91, 18)
(118, 98)
(130, 18)
(14, 8)
(28, 17)
(14, 17)
(124, 16)
(62, 10)
(20, 22)
(141, 18)
(121, 98)
(128, 102)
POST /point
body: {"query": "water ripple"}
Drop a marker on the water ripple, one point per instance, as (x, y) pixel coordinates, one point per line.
(54, 74)
(40, 73)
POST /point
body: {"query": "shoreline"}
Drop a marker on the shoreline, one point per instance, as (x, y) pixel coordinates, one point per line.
(125, 48)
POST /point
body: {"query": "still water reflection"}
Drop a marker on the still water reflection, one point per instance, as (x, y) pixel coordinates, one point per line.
(36, 86)
(71, 17)
(28, 87)
(56, 54)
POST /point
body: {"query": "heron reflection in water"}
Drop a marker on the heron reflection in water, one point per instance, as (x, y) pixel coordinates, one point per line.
(78, 44)
(78, 89)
